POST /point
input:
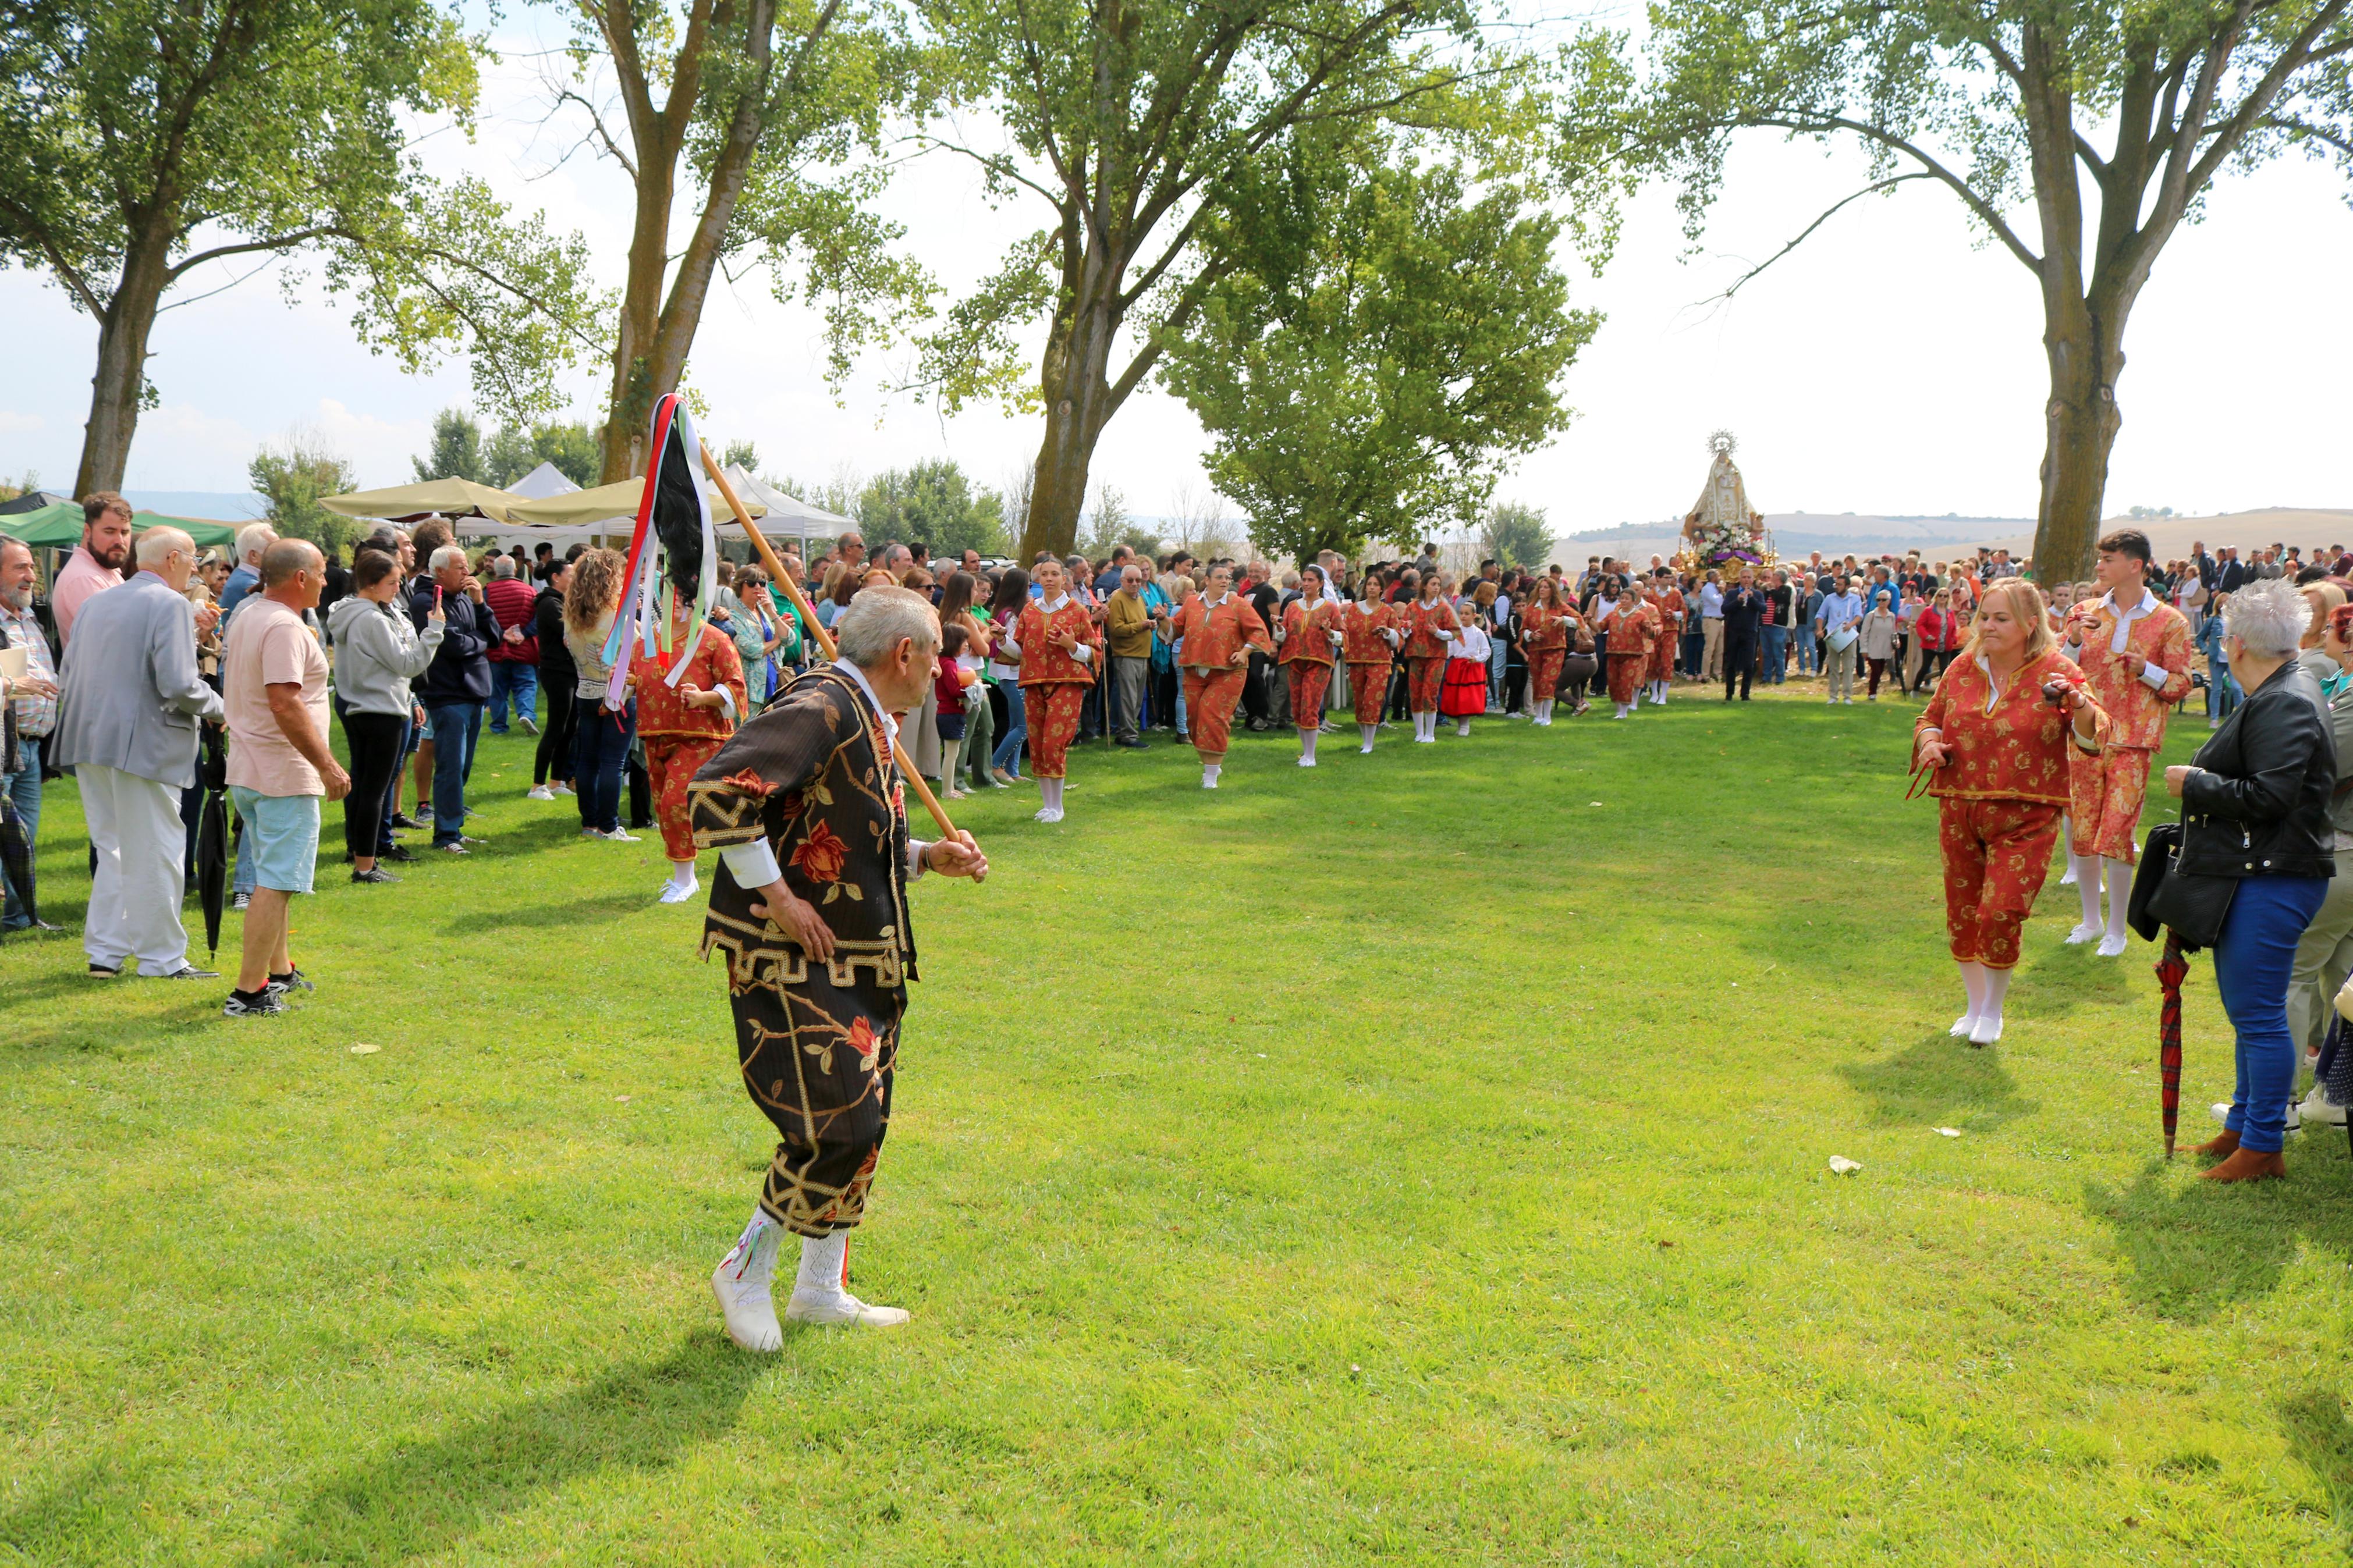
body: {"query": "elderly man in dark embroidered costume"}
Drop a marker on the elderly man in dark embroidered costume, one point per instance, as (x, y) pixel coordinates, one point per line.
(804, 805)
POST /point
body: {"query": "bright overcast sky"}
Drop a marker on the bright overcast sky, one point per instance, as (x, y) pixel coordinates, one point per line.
(1886, 367)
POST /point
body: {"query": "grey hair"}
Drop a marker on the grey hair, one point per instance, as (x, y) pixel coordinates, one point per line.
(2269, 617)
(155, 546)
(878, 617)
(501, 566)
(253, 539)
(447, 555)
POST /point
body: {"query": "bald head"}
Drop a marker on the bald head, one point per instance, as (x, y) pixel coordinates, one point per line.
(283, 559)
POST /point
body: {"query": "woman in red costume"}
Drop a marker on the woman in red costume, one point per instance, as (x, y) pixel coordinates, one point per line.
(1996, 739)
(1543, 638)
(1633, 629)
(1304, 644)
(1213, 635)
(1427, 625)
(1368, 642)
(682, 725)
(1056, 643)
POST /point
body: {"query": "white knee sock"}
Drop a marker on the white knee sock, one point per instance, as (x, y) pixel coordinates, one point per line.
(752, 1259)
(1210, 775)
(1307, 744)
(2087, 885)
(1463, 728)
(681, 873)
(1997, 985)
(1973, 976)
(1051, 790)
(824, 1265)
(1368, 732)
(2120, 879)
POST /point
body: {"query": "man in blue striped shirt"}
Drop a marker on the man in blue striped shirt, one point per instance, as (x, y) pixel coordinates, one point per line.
(1840, 611)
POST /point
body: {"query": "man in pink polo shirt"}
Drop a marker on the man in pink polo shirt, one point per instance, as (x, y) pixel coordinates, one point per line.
(97, 561)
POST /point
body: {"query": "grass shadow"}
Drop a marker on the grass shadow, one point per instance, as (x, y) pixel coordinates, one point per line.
(1940, 1079)
(421, 1497)
(580, 911)
(2198, 1247)
(92, 1516)
(2318, 1433)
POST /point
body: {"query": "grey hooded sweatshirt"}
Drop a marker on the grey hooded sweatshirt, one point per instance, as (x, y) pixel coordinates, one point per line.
(377, 654)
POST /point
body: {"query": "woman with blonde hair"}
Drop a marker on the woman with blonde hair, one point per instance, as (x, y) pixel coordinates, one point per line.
(603, 732)
(1995, 740)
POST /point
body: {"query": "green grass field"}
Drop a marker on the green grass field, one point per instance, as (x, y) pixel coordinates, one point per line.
(1424, 1159)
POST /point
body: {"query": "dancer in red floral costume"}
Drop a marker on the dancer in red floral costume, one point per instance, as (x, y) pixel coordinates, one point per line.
(809, 908)
(1368, 642)
(1304, 644)
(1427, 625)
(682, 725)
(2001, 757)
(1056, 643)
(2136, 655)
(1634, 629)
(1673, 613)
(1545, 621)
(1213, 635)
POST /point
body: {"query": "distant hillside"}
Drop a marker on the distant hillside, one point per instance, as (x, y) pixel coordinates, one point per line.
(1866, 533)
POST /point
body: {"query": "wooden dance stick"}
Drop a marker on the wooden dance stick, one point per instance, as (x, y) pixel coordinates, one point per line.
(808, 618)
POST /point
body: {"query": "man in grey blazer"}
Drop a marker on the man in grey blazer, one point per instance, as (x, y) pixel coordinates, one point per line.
(129, 703)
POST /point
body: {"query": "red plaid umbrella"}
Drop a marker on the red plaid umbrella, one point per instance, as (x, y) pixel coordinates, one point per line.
(2172, 969)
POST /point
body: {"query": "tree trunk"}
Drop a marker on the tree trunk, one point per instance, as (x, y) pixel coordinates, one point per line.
(638, 380)
(2081, 423)
(1080, 398)
(119, 389)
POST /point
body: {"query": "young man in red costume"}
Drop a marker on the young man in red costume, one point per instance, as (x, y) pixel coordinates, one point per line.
(1667, 601)
(2134, 651)
(1213, 635)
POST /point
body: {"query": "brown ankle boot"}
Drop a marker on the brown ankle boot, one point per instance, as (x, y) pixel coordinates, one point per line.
(2227, 1144)
(2246, 1165)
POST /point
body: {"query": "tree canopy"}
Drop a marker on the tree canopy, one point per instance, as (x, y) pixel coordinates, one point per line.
(1386, 339)
(2079, 139)
(143, 140)
(933, 502)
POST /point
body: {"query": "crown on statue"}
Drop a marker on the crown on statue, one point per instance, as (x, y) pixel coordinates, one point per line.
(1723, 443)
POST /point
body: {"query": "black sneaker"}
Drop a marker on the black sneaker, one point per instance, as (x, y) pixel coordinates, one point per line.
(373, 874)
(1136, 743)
(102, 972)
(253, 1003)
(185, 972)
(398, 852)
(403, 820)
(292, 980)
(242, 901)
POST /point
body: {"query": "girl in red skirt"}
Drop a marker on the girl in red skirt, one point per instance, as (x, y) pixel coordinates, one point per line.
(1466, 692)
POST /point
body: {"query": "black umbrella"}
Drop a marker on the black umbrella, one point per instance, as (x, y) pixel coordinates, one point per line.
(212, 833)
(16, 861)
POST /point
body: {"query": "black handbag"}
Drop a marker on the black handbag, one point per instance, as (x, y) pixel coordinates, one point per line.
(2166, 897)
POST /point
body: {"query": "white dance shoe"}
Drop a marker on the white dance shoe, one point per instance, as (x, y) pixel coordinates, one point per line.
(832, 1306)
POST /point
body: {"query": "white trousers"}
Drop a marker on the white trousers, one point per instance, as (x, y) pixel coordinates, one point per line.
(134, 901)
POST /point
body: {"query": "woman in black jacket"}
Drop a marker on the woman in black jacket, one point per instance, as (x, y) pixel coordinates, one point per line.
(552, 763)
(2254, 807)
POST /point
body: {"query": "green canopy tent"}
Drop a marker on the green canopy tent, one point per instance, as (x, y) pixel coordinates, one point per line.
(59, 526)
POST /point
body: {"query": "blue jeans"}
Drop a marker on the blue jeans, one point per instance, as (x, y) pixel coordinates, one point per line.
(1777, 655)
(1695, 650)
(1016, 730)
(2251, 960)
(1809, 658)
(456, 729)
(24, 793)
(520, 682)
(600, 751)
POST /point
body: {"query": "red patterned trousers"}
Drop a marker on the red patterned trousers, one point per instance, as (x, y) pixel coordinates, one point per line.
(671, 762)
(1308, 682)
(1424, 679)
(1370, 683)
(1625, 673)
(1543, 672)
(1210, 708)
(2104, 800)
(1996, 854)
(1051, 711)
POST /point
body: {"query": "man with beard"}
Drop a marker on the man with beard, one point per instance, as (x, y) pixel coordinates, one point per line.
(98, 560)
